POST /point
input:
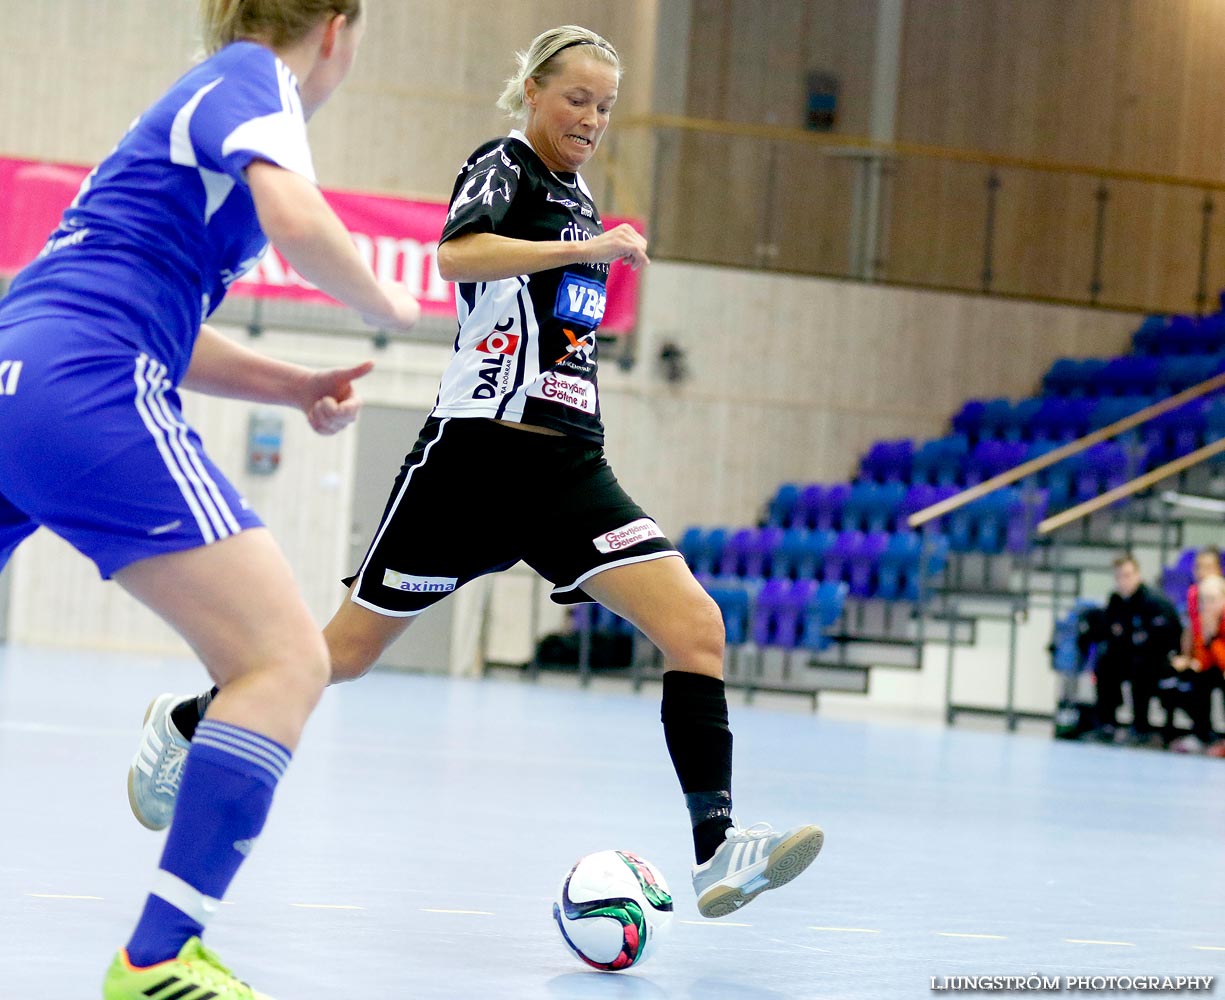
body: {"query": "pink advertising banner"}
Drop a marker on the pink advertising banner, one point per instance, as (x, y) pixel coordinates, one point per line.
(396, 236)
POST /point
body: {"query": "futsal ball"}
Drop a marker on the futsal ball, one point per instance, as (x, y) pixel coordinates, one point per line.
(611, 907)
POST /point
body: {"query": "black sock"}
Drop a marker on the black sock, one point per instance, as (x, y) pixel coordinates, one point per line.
(186, 715)
(694, 714)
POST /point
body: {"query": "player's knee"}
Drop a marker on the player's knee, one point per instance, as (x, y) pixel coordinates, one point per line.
(306, 668)
(698, 643)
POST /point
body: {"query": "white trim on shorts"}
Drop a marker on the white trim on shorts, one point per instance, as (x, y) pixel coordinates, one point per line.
(357, 581)
(212, 514)
(612, 565)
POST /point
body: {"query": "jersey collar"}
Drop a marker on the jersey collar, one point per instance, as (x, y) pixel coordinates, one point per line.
(521, 136)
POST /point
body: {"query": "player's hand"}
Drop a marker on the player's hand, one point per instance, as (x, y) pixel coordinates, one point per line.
(401, 311)
(624, 243)
(330, 401)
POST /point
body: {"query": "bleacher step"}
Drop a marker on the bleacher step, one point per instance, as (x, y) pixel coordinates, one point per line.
(779, 670)
(860, 653)
(936, 629)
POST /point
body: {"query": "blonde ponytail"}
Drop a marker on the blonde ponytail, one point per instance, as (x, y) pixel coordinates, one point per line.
(276, 23)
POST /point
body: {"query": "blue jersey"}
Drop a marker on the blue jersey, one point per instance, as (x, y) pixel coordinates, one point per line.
(166, 223)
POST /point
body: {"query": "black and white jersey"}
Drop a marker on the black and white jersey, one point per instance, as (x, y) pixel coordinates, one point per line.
(526, 347)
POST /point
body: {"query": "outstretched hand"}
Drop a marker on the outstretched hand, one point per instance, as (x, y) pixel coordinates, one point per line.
(623, 243)
(330, 401)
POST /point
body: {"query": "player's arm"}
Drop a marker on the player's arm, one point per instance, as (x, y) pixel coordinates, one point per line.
(302, 226)
(221, 367)
(490, 257)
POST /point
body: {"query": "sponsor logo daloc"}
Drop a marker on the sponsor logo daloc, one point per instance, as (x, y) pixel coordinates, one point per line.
(499, 343)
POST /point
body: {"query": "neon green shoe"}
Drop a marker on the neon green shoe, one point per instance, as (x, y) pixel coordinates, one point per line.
(197, 974)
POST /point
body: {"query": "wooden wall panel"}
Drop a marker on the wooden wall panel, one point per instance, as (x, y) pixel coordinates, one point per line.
(420, 98)
(749, 61)
(1128, 84)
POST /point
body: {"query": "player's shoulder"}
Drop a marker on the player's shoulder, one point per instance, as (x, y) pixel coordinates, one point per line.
(245, 56)
(503, 153)
(236, 69)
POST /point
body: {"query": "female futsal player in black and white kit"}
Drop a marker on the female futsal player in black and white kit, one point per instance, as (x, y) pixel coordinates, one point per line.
(510, 465)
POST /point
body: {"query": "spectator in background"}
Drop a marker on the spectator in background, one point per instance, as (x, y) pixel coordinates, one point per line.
(1198, 673)
(1207, 563)
(1140, 631)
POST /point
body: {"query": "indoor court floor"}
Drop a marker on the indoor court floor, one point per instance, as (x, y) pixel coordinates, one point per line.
(419, 837)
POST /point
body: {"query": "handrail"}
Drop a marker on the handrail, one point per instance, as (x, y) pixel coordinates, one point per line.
(1009, 476)
(807, 137)
(1092, 506)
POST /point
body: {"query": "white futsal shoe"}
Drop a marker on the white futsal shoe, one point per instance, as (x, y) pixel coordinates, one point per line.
(751, 861)
(157, 769)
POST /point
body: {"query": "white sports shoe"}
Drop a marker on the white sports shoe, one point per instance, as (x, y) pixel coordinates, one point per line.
(751, 861)
(157, 769)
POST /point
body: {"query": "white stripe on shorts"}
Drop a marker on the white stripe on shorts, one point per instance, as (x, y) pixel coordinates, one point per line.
(163, 447)
(596, 570)
(215, 502)
(213, 516)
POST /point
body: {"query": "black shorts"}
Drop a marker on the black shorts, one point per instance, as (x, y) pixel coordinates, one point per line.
(475, 496)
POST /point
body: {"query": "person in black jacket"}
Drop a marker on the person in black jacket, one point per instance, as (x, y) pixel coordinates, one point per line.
(1140, 631)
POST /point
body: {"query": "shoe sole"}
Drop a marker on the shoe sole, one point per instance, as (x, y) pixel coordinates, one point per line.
(132, 779)
(785, 862)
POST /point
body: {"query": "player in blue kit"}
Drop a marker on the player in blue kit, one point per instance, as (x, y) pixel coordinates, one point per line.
(96, 336)
(517, 428)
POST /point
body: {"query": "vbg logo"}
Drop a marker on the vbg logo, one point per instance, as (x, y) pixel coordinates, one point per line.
(580, 301)
(10, 372)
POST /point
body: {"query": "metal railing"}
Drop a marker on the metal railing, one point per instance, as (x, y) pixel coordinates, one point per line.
(1035, 465)
(1077, 513)
(792, 200)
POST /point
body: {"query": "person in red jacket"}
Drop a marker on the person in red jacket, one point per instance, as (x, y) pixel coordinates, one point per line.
(1207, 563)
(1199, 671)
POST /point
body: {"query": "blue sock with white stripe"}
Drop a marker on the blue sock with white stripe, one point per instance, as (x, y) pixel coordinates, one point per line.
(227, 787)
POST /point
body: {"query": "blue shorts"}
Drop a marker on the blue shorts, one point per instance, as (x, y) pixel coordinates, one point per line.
(93, 446)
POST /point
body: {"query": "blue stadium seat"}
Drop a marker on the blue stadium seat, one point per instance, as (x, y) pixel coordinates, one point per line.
(997, 419)
(969, 419)
(822, 611)
(763, 630)
(789, 616)
(1026, 508)
(829, 511)
(940, 462)
(1149, 339)
(864, 562)
(735, 553)
(888, 462)
(1181, 336)
(759, 557)
(708, 555)
(837, 565)
(808, 509)
(1023, 413)
(692, 547)
(859, 504)
(783, 504)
